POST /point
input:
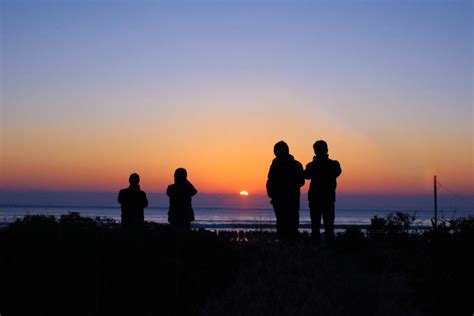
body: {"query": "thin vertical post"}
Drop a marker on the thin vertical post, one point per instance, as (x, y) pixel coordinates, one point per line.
(435, 202)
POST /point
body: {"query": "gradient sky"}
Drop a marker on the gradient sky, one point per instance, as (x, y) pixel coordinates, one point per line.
(94, 90)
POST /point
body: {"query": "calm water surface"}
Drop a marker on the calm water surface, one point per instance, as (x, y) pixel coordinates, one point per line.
(219, 218)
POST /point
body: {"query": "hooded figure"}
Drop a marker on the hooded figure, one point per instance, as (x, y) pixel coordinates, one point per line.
(322, 172)
(285, 179)
(181, 212)
(133, 201)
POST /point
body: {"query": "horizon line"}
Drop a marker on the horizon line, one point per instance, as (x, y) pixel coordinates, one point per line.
(236, 193)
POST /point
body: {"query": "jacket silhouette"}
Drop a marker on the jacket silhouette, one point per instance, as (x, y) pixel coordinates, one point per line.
(132, 201)
(285, 178)
(180, 193)
(323, 173)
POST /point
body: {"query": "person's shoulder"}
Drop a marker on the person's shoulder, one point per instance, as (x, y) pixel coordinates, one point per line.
(274, 164)
(123, 191)
(298, 164)
(191, 187)
(170, 190)
(335, 162)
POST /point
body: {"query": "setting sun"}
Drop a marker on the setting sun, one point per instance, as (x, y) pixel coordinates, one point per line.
(244, 193)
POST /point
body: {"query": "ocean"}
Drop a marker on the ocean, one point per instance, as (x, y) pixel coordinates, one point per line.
(222, 218)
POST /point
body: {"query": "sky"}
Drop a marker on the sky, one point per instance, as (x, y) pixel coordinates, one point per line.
(94, 90)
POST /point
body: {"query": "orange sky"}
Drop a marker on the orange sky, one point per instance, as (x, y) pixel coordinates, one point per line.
(220, 156)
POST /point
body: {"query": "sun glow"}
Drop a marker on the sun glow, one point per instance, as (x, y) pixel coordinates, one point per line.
(244, 193)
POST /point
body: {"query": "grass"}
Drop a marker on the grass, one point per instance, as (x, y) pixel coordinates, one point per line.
(84, 266)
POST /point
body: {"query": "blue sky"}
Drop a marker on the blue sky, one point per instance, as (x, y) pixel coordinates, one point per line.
(388, 80)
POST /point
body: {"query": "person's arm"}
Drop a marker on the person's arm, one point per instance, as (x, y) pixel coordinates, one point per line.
(168, 191)
(120, 197)
(337, 169)
(145, 200)
(300, 174)
(308, 171)
(192, 189)
(269, 184)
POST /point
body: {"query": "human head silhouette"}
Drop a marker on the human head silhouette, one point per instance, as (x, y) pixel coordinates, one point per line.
(281, 149)
(320, 148)
(134, 179)
(180, 175)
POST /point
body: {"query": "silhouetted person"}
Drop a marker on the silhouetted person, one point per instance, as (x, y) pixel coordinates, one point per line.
(322, 172)
(285, 179)
(133, 201)
(181, 214)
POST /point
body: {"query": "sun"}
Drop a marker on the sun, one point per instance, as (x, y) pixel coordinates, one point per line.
(244, 193)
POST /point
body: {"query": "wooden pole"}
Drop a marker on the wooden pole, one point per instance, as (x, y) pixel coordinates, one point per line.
(435, 203)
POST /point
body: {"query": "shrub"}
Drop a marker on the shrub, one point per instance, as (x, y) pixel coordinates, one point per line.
(464, 226)
(352, 238)
(377, 226)
(399, 222)
(393, 225)
(34, 223)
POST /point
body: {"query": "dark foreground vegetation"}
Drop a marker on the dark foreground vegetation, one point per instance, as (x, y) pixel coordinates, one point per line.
(82, 266)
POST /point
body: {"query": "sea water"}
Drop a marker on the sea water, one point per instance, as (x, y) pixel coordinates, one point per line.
(222, 218)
